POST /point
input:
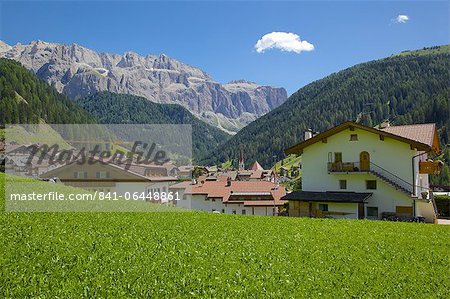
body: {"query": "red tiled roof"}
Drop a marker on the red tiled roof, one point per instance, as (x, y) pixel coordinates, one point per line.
(423, 133)
(410, 138)
(221, 190)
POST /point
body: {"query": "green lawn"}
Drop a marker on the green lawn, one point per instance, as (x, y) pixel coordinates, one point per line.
(46, 135)
(20, 185)
(73, 255)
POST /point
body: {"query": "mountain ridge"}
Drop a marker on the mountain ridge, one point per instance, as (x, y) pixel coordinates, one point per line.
(115, 108)
(77, 72)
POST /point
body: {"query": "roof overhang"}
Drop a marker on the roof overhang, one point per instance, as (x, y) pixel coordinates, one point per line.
(298, 148)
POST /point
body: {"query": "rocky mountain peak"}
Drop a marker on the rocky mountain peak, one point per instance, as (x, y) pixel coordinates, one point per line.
(4, 47)
(78, 72)
(241, 81)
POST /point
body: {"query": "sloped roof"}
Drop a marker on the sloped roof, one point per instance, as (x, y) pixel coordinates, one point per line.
(298, 148)
(121, 168)
(219, 189)
(423, 133)
(181, 185)
(256, 166)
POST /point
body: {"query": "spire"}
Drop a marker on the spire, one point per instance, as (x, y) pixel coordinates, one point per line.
(241, 160)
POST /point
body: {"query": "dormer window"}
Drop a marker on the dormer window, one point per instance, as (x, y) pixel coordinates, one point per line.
(354, 137)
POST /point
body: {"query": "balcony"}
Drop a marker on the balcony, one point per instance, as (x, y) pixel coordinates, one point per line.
(430, 167)
(372, 168)
(347, 167)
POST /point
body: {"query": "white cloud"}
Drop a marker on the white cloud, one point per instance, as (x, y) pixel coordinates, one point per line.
(284, 41)
(401, 19)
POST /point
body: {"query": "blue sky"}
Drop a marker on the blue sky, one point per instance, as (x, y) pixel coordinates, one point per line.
(220, 37)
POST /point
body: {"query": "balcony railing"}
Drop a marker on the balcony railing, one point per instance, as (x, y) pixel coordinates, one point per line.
(346, 167)
(380, 172)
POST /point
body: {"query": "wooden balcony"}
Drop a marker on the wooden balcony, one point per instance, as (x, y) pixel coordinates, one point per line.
(344, 167)
(430, 167)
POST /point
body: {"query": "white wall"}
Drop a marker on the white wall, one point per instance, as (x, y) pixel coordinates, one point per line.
(393, 155)
(185, 199)
(139, 187)
(198, 202)
(390, 154)
(425, 209)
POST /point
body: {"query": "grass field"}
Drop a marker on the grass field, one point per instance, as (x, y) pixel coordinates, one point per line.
(73, 255)
(26, 186)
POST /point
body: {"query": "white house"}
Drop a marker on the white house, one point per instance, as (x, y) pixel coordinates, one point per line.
(355, 171)
(111, 178)
(230, 197)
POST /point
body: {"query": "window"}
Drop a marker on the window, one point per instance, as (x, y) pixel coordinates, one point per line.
(233, 212)
(323, 207)
(223, 211)
(372, 212)
(354, 137)
(371, 185)
(102, 175)
(243, 212)
(80, 174)
(342, 184)
(337, 157)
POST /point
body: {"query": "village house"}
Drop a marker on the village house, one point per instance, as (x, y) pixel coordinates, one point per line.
(231, 197)
(255, 173)
(185, 172)
(355, 171)
(22, 160)
(110, 177)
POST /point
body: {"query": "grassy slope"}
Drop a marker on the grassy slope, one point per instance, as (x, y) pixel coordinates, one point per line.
(288, 162)
(201, 254)
(46, 135)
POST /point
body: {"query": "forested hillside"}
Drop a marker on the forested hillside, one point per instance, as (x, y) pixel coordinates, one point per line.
(24, 98)
(127, 109)
(409, 88)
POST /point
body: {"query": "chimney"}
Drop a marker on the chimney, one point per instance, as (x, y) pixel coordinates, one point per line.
(385, 124)
(308, 134)
(228, 182)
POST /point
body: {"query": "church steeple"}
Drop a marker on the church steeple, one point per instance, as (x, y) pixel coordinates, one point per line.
(241, 160)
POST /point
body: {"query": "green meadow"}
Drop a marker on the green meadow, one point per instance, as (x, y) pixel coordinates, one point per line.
(195, 254)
